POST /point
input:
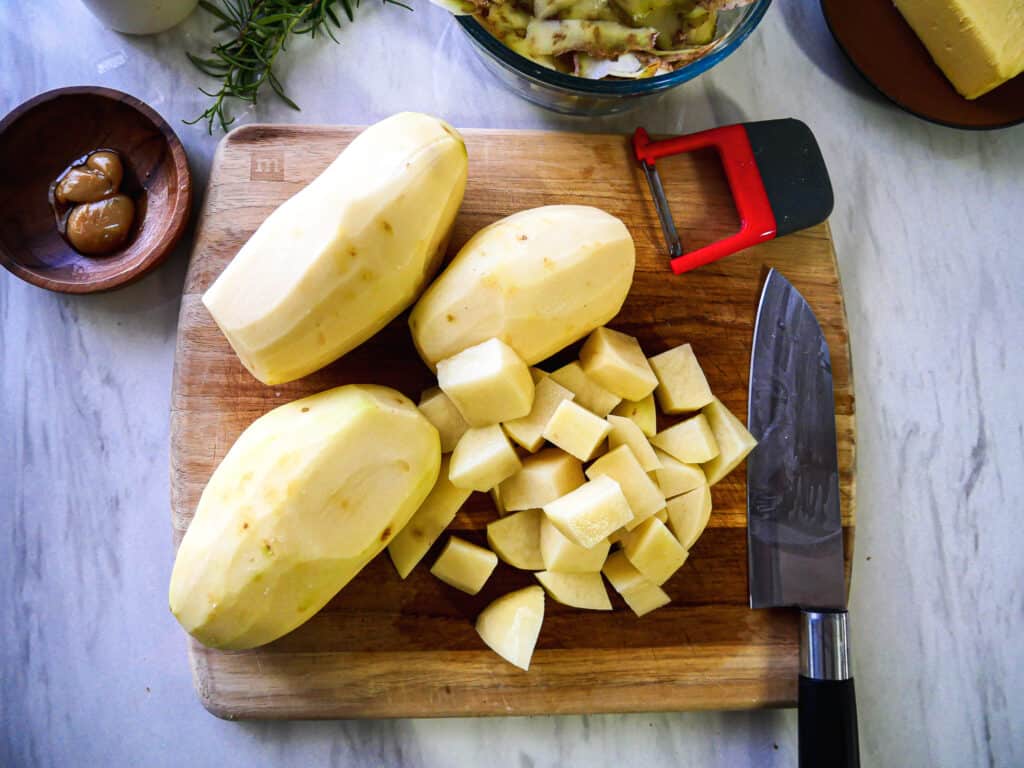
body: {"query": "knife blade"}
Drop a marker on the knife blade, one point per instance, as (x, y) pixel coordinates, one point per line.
(794, 526)
(794, 531)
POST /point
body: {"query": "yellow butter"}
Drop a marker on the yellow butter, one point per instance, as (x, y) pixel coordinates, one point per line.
(978, 44)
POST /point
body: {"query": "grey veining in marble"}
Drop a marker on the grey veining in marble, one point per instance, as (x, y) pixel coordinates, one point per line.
(927, 225)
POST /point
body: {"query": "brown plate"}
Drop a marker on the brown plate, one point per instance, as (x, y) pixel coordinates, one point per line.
(40, 138)
(886, 51)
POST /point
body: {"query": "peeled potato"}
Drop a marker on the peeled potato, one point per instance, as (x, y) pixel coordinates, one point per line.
(308, 495)
(342, 258)
(538, 280)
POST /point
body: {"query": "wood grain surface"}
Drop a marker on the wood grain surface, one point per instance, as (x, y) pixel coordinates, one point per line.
(388, 648)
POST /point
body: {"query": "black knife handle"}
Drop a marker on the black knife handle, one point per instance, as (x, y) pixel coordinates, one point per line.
(828, 724)
(827, 714)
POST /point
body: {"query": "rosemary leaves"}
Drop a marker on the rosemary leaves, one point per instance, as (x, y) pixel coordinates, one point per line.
(259, 31)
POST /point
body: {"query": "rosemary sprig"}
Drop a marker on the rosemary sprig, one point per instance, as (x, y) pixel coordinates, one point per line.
(259, 32)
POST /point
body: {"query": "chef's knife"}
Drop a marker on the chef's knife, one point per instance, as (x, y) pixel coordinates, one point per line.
(794, 529)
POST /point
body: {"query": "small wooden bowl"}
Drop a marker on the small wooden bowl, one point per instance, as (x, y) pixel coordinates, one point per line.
(45, 134)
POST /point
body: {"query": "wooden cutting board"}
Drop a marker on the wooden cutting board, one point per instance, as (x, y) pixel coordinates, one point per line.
(388, 648)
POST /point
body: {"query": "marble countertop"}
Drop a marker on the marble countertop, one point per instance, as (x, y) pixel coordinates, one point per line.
(93, 668)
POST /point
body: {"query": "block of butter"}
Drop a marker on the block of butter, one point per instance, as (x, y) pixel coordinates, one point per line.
(978, 44)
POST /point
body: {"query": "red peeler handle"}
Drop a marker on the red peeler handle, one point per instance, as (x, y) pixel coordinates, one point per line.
(757, 222)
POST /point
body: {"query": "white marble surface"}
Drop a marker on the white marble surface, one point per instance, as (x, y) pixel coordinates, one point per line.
(927, 225)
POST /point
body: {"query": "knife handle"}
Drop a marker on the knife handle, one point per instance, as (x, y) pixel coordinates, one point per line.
(827, 714)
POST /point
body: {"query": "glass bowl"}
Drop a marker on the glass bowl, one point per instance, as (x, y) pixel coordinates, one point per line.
(573, 95)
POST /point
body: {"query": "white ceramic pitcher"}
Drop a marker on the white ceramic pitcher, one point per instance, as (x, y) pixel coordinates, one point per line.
(141, 17)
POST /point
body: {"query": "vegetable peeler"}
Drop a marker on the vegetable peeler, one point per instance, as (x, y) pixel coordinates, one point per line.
(775, 171)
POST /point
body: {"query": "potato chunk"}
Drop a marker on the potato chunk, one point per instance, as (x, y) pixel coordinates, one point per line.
(499, 505)
(511, 625)
(516, 539)
(642, 493)
(545, 476)
(626, 432)
(564, 556)
(734, 441)
(442, 413)
(690, 441)
(654, 551)
(464, 565)
(641, 413)
(434, 515)
(528, 431)
(591, 512)
(488, 383)
(675, 477)
(482, 459)
(576, 430)
(589, 393)
(579, 590)
(682, 386)
(688, 515)
(615, 361)
(640, 594)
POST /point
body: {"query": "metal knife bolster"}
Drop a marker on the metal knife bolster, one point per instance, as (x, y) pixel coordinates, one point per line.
(824, 647)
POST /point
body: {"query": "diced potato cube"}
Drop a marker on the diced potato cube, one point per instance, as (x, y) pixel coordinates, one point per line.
(562, 555)
(537, 374)
(641, 413)
(646, 598)
(690, 441)
(615, 361)
(640, 594)
(529, 430)
(576, 430)
(442, 413)
(688, 515)
(675, 477)
(434, 515)
(621, 573)
(483, 458)
(499, 505)
(580, 590)
(545, 476)
(625, 432)
(488, 383)
(464, 565)
(589, 393)
(662, 515)
(682, 386)
(511, 624)
(591, 512)
(618, 535)
(734, 441)
(654, 551)
(516, 539)
(642, 493)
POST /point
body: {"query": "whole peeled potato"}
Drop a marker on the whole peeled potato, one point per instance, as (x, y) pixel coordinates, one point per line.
(308, 495)
(342, 258)
(538, 280)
